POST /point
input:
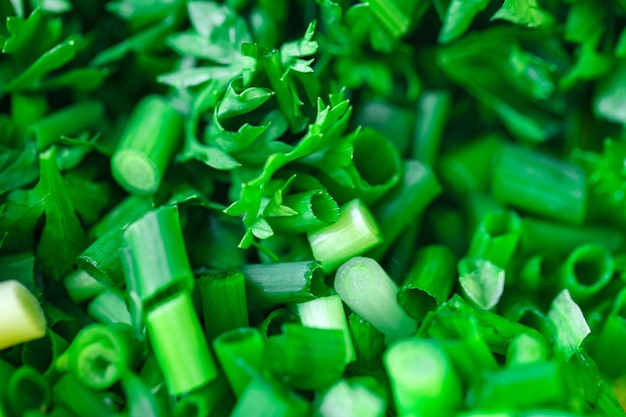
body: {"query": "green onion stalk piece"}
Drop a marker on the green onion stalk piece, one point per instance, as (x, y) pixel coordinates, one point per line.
(570, 324)
(223, 302)
(158, 259)
(81, 286)
(423, 380)
(240, 354)
(273, 322)
(152, 135)
(404, 204)
(538, 272)
(367, 289)
(540, 184)
(286, 282)
(101, 259)
(534, 384)
(264, 398)
(71, 394)
(306, 358)
(346, 400)
(586, 271)
(179, 344)
(429, 281)
(205, 401)
(140, 400)
(121, 215)
(109, 307)
(526, 348)
(369, 345)
(313, 209)
(42, 353)
(22, 316)
(28, 390)
(433, 109)
(100, 355)
(496, 238)
(353, 234)
(481, 281)
(609, 345)
(327, 313)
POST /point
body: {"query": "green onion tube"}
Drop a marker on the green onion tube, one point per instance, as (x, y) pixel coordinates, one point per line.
(67, 121)
(404, 204)
(240, 354)
(314, 209)
(344, 400)
(273, 323)
(499, 332)
(610, 345)
(22, 316)
(223, 302)
(569, 322)
(152, 135)
(496, 237)
(534, 384)
(429, 281)
(367, 289)
(100, 355)
(121, 215)
(81, 286)
(539, 236)
(540, 184)
(101, 259)
(287, 282)
(179, 345)
(70, 393)
(393, 121)
(109, 307)
(306, 358)
(327, 313)
(158, 259)
(481, 281)
(369, 345)
(28, 390)
(538, 271)
(204, 401)
(587, 270)
(526, 348)
(423, 380)
(433, 109)
(140, 401)
(263, 398)
(354, 233)
(42, 353)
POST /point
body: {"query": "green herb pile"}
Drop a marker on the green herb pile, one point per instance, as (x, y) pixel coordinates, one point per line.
(312, 208)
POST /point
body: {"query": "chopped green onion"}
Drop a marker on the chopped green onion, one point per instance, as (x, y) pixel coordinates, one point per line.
(539, 272)
(571, 327)
(526, 348)
(223, 302)
(27, 390)
(482, 282)
(610, 344)
(367, 289)
(179, 345)
(369, 344)
(313, 209)
(204, 401)
(22, 316)
(80, 400)
(345, 400)
(100, 355)
(429, 282)
(240, 354)
(101, 259)
(540, 184)
(354, 233)
(404, 205)
(327, 313)
(152, 135)
(423, 381)
(587, 270)
(306, 358)
(496, 238)
(81, 286)
(158, 259)
(262, 398)
(286, 282)
(433, 109)
(109, 307)
(42, 353)
(140, 401)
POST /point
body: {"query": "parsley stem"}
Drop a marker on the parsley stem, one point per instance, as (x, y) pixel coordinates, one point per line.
(327, 313)
(539, 184)
(354, 233)
(496, 237)
(429, 281)
(81, 286)
(369, 345)
(179, 345)
(433, 109)
(306, 358)
(367, 289)
(314, 209)
(404, 205)
(223, 302)
(109, 307)
(152, 135)
(27, 390)
(423, 380)
(240, 354)
(158, 258)
(285, 282)
(22, 316)
(587, 270)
